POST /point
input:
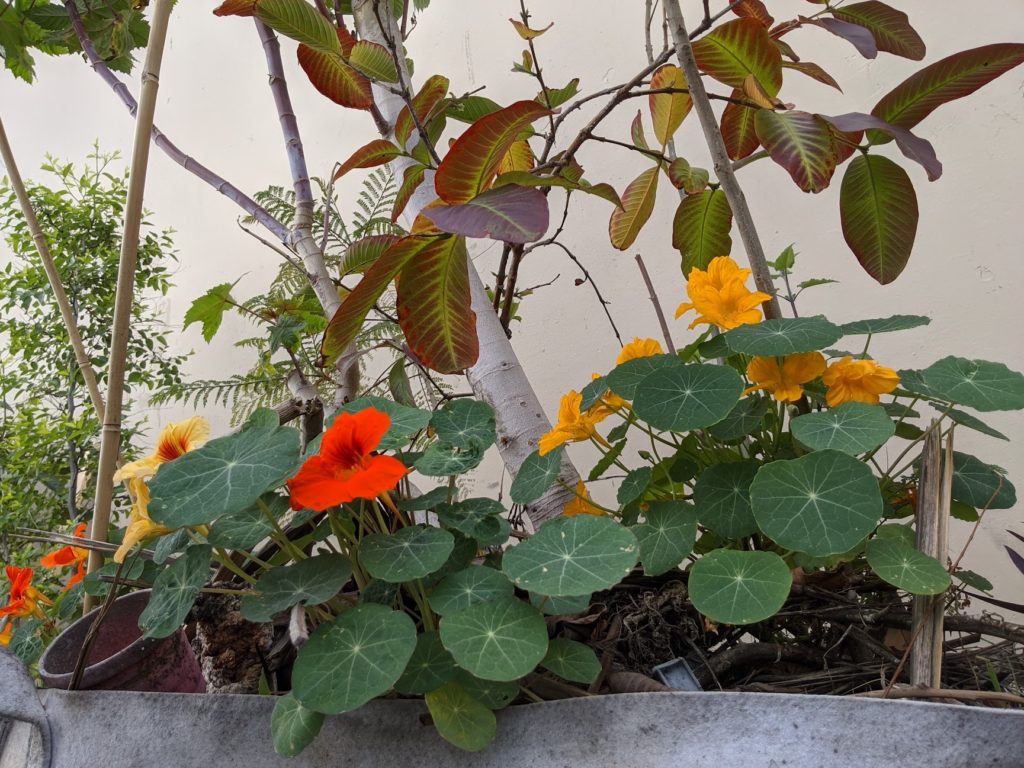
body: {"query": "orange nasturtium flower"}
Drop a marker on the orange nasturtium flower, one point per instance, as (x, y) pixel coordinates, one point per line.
(572, 426)
(5, 633)
(346, 468)
(785, 384)
(580, 504)
(175, 440)
(720, 296)
(638, 348)
(69, 556)
(24, 599)
(857, 381)
(140, 526)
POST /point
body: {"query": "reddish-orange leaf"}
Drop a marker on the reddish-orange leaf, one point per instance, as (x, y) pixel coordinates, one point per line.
(813, 70)
(435, 89)
(739, 48)
(636, 130)
(637, 205)
(518, 158)
(801, 143)
(754, 9)
(890, 28)
(434, 307)
(236, 8)
(668, 109)
(377, 152)
(528, 34)
(334, 78)
(738, 129)
(473, 159)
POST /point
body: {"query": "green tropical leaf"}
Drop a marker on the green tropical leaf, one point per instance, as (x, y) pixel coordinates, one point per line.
(980, 485)
(476, 584)
(292, 726)
(572, 556)
(501, 640)
(738, 48)
(637, 206)
(801, 143)
(374, 61)
(878, 211)
(734, 587)
(377, 152)
(700, 228)
(410, 553)
(209, 309)
(354, 659)
(738, 128)
(536, 474)
(977, 384)
(460, 719)
(174, 592)
(687, 397)
(783, 336)
(311, 582)
(668, 110)
(890, 28)
(690, 179)
(722, 498)
(666, 536)
(430, 666)
(300, 21)
(572, 660)
(824, 503)
(851, 428)
(907, 568)
(430, 94)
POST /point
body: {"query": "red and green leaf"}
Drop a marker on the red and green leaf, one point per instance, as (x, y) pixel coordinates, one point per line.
(518, 158)
(236, 8)
(890, 28)
(556, 97)
(434, 307)
(700, 229)
(335, 79)
(469, 109)
(364, 253)
(300, 21)
(511, 214)
(814, 71)
(433, 90)
(946, 80)
(687, 178)
(472, 162)
(347, 321)
(523, 179)
(739, 48)
(636, 132)
(374, 61)
(412, 178)
(878, 211)
(856, 35)
(377, 152)
(754, 9)
(668, 109)
(801, 143)
(738, 129)
(914, 147)
(637, 206)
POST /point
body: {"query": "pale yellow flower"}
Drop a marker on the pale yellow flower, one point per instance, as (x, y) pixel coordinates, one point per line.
(720, 296)
(785, 385)
(857, 381)
(175, 440)
(580, 504)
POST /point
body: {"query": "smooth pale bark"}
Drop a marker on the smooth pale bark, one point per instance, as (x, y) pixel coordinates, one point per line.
(498, 378)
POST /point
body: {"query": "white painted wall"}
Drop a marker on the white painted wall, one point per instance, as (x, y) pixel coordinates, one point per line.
(965, 273)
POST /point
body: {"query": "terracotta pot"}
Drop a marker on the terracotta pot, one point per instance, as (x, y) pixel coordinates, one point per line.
(120, 658)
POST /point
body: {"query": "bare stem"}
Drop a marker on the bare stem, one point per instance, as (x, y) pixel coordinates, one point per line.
(657, 304)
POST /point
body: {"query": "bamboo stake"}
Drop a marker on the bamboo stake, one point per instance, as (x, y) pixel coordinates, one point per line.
(720, 157)
(111, 434)
(66, 311)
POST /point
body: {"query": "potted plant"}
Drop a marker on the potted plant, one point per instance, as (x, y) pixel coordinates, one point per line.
(747, 460)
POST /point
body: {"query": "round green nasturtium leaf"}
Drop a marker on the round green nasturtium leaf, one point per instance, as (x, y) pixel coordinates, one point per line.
(624, 378)
(405, 421)
(441, 459)
(572, 556)
(293, 726)
(721, 496)
(574, 661)
(593, 392)
(884, 325)
(560, 606)
(733, 587)
(822, 504)
(666, 536)
(170, 544)
(686, 397)
(970, 421)
(354, 659)
(975, 580)
(902, 534)
(905, 567)
(379, 592)
(465, 424)
(410, 553)
(743, 419)
(501, 640)
(851, 428)
(174, 592)
(977, 384)
(783, 336)
(493, 694)
(980, 485)
(536, 474)
(462, 556)
(430, 667)
(460, 719)
(226, 475)
(634, 485)
(311, 582)
(481, 519)
(476, 584)
(247, 527)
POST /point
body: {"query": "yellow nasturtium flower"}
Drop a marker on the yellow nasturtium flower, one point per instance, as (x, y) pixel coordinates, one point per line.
(720, 296)
(638, 348)
(785, 384)
(6, 633)
(857, 381)
(572, 426)
(580, 504)
(175, 440)
(607, 405)
(140, 527)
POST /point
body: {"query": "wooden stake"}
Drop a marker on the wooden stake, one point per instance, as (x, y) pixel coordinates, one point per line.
(110, 442)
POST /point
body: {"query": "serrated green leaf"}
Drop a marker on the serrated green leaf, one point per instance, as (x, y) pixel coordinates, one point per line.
(734, 587)
(460, 719)
(722, 498)
(209, 309)
(851, 428)
(310, 582)
(783, 336)
(536, 474)
(174, 591)
(573, 661)
(430, 667)
(666, 536)
(686, 397)
(907, 568)
(500, 640)
(410, 553)
(292, 726)
(476, 584)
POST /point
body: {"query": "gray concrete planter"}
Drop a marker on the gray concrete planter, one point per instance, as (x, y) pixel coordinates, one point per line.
(660, 730)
